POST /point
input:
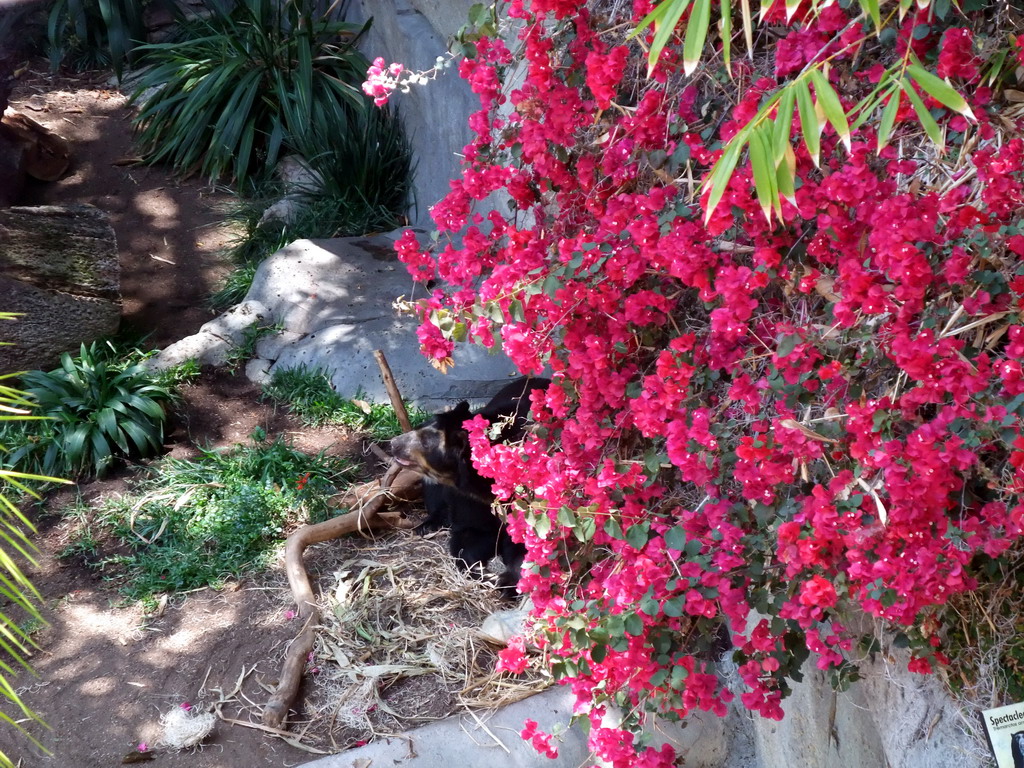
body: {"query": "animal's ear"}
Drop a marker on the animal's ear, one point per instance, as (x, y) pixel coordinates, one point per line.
(459, 414)
(451, 421)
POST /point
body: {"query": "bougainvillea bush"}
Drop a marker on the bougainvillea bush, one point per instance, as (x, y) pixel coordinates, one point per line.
(771, 412)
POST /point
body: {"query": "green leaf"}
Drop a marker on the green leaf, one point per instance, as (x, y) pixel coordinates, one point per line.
(764, 171)
(74, 444)
(783, 124)
(927, 121)
(107, 421)
(675, 538)
(696, 34)
(665, 17)
(613, 529)
(585, 530)
(145, 439)
(566, 517)
(784, 178)
(787, 344)
(725, 28)
(721, 172)
(872, 11)
(634, 625)
(888, 118)
(808, 121)
(940, 90)
(831, 106)
(637, 535)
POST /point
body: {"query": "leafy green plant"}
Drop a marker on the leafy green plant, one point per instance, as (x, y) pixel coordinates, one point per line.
(195, 522)
(248, 81)
(309, 395)
(91, 34)
(97, 410)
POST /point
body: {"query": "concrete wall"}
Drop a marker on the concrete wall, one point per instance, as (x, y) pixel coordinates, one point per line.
(415, 33)
(892, 717)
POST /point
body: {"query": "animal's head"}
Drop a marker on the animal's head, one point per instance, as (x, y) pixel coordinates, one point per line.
(439, 449)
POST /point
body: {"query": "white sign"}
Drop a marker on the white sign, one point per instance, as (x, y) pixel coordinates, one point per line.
(1005, 729)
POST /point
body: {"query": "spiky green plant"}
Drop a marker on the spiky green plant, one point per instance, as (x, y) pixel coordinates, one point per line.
(90, 34)
(365, 182)
(246, 83)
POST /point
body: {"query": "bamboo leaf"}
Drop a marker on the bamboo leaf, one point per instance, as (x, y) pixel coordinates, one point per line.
(783, 124)
(655, 17)
(664, 17)
(927, 121)
(940, 90)
(696, 34)
(725, 29)
(720, 174)
(784, 175)
(888, 119)
(764, 172)
(872, 11)
(748, 27)
(831, 106)
(866, 106)
(808, 121)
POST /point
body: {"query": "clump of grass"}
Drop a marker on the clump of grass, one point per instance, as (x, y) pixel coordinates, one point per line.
(196, 522)
(246, 349)
(309, 395)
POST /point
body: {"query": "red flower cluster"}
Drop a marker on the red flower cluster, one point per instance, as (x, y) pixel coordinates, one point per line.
(750, 426)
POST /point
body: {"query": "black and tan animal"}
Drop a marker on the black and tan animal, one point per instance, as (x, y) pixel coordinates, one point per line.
(454, 493)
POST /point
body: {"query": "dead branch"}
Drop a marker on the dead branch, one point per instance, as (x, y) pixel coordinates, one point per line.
(365, 515)
(393, 393)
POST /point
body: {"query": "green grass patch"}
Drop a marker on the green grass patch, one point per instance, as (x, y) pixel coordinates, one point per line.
(309, 395)
(197, 522)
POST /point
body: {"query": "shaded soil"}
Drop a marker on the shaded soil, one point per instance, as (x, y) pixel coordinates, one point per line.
(168, 231)
(106, 671)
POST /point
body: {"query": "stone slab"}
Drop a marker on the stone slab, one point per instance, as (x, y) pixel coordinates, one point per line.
(333, 299)
(461, 742)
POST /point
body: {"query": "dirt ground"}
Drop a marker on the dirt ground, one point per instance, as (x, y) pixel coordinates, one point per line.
(105, 671)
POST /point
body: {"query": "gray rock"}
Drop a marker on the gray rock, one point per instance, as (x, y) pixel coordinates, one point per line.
(333, 298)
(891, 717)
(501, 626)
(59, 270)
(297, 180)
(462, 742)
(214, 343)
(257, 371)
